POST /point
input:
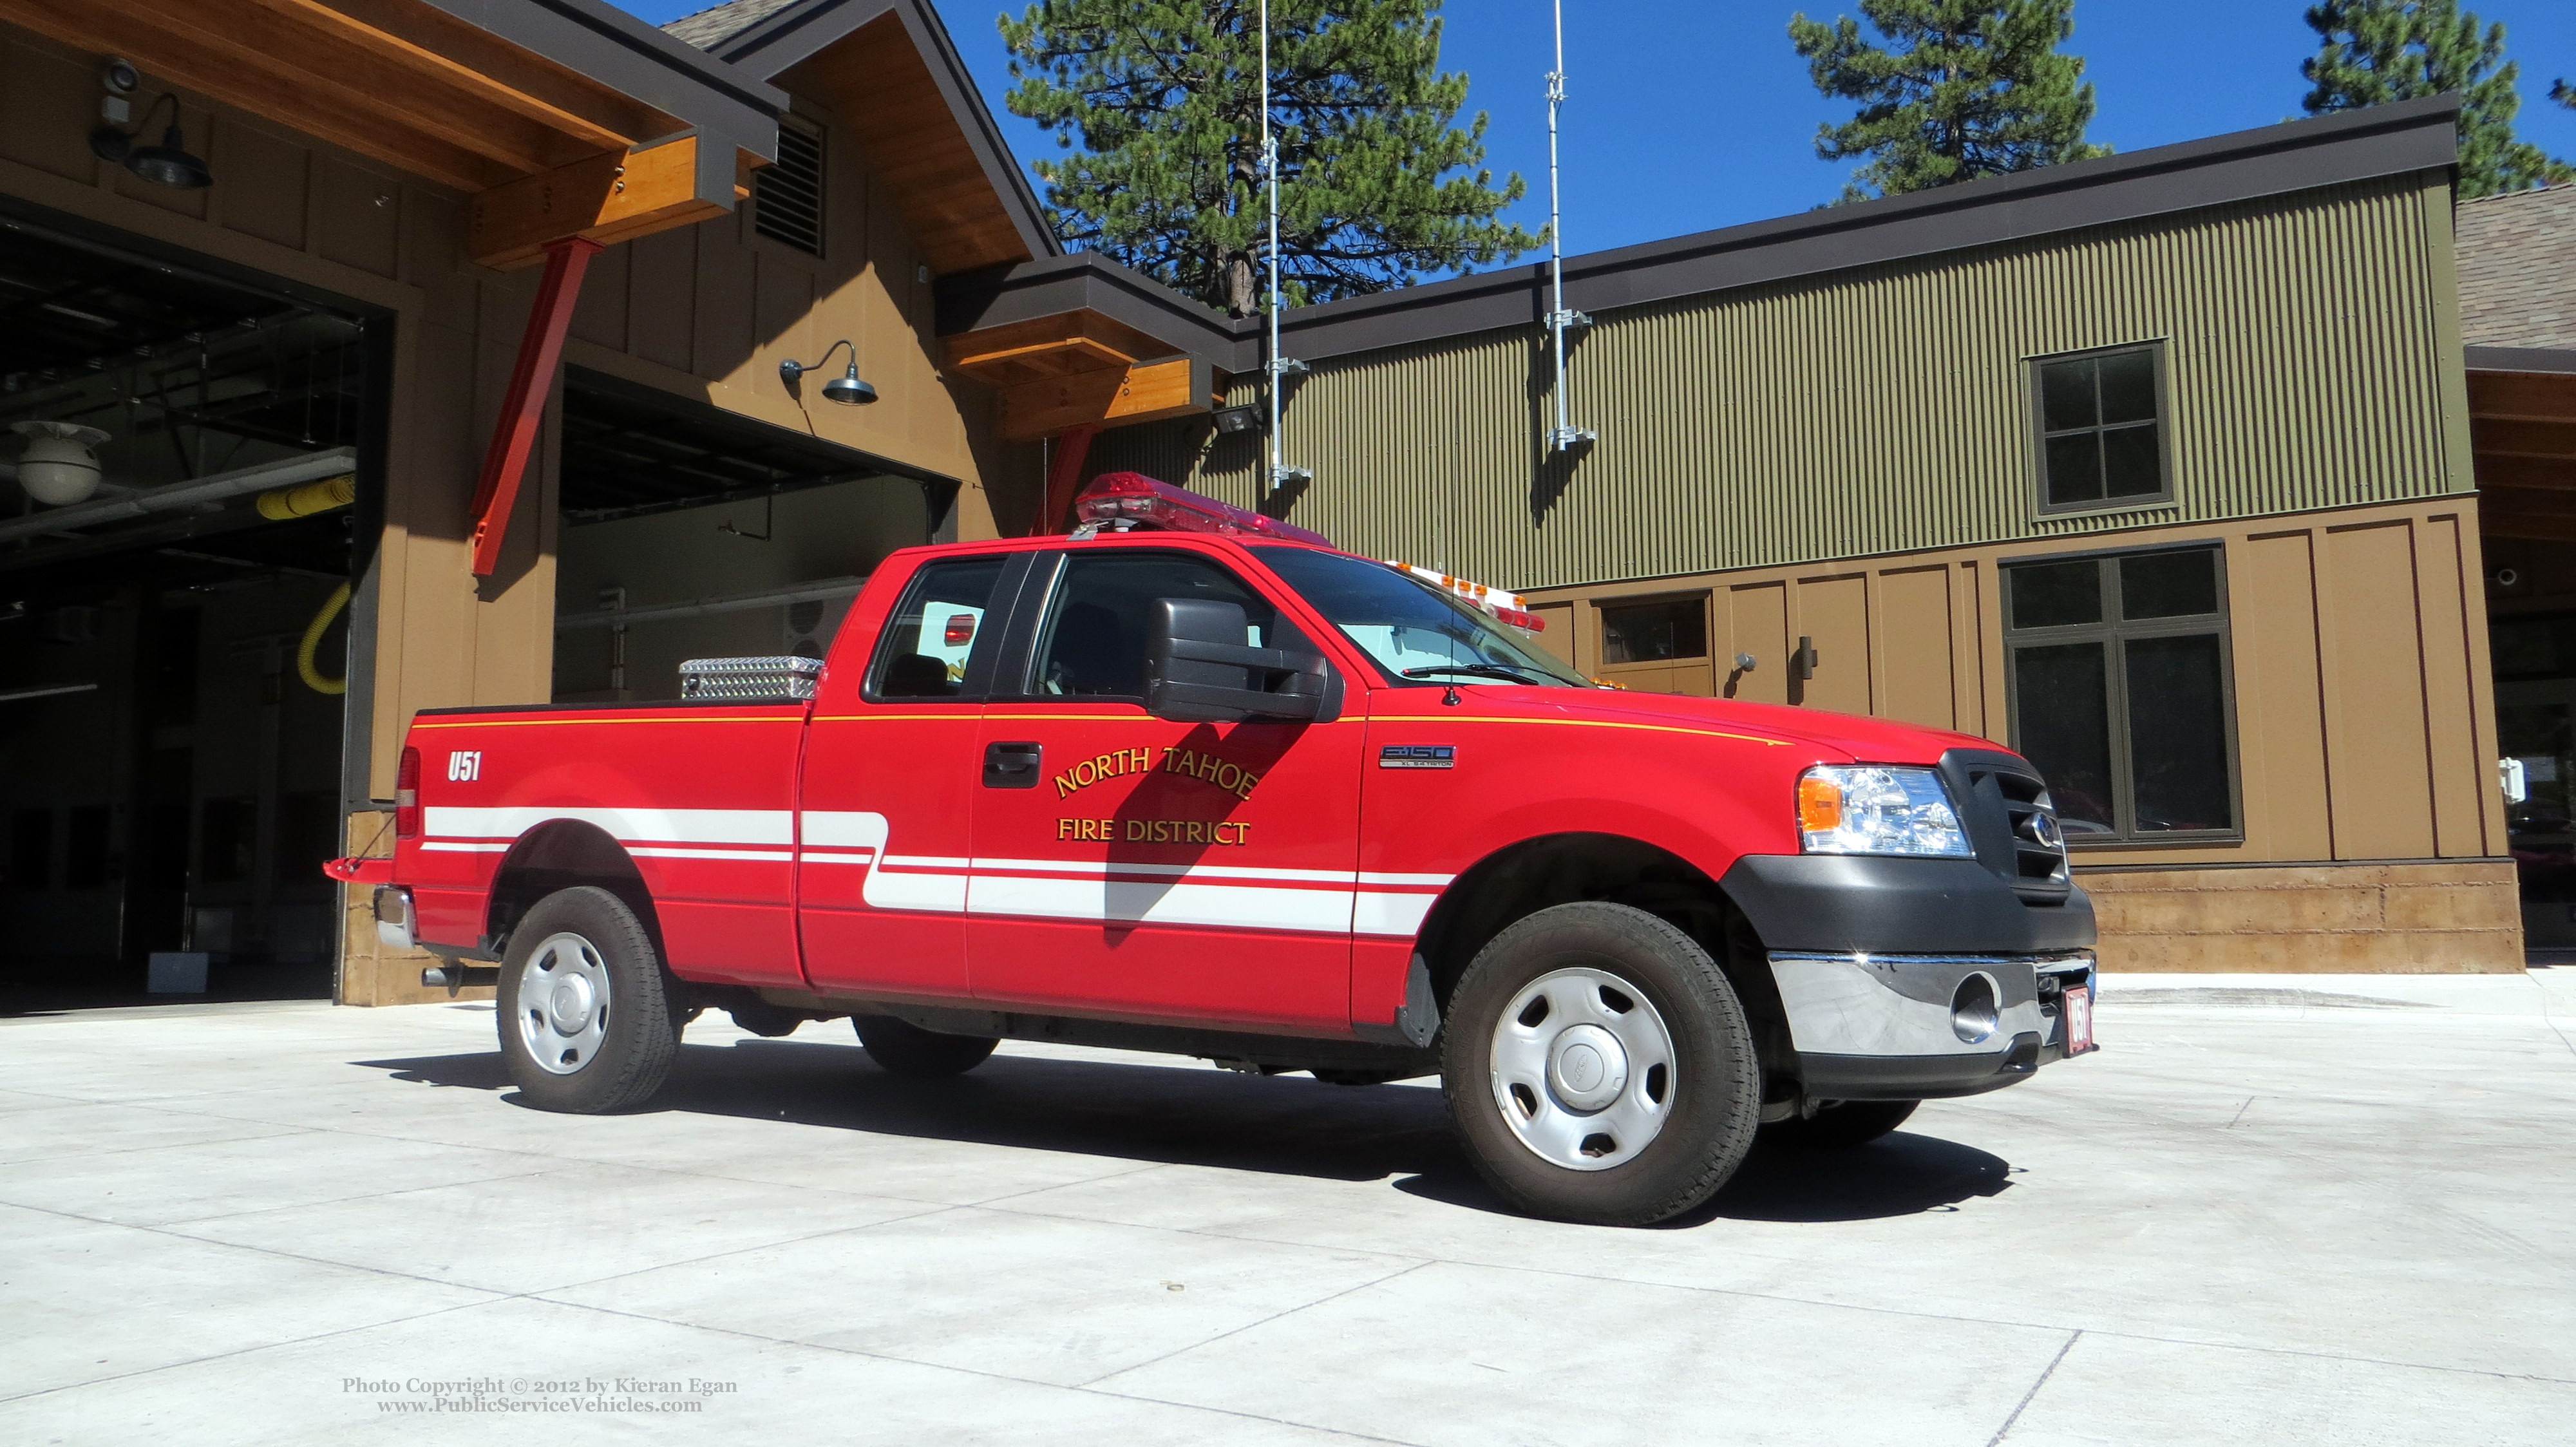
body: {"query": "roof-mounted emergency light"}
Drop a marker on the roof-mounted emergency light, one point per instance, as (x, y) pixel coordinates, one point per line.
(1116, 501)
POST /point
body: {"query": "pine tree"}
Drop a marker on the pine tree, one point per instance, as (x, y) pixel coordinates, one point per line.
(1962, 89)
(1163, 97)
(2376, 51)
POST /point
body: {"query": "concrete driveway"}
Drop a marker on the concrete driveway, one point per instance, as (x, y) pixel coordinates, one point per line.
(2277, 1211)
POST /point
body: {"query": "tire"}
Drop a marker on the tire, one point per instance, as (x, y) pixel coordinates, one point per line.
(903, 1048)
(1839, 1125)
(1658, 1116)
(585, 1022)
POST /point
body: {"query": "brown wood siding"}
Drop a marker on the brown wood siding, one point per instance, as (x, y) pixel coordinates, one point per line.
(2359, 656)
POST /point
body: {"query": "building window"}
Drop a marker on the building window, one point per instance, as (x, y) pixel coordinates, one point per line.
(2121, 695)
(1655, 632)
(2101, 430)
(787, 194)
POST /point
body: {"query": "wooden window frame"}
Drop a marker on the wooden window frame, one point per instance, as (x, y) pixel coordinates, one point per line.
(2040, 433)
(1704, 597)
(2114, 632)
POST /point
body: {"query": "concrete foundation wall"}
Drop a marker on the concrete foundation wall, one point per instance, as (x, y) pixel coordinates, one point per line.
(2444, 918)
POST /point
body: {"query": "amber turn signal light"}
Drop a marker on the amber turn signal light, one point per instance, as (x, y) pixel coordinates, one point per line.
(1820, 805)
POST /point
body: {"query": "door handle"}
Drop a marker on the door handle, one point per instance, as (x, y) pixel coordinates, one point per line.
(1012, 766)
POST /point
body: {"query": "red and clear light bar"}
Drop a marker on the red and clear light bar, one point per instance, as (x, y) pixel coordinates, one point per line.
(1135, 498)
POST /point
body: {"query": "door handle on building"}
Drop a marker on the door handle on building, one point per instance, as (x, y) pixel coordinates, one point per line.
(1012, 766)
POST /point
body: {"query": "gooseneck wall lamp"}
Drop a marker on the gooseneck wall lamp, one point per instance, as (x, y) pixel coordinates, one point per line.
(845, 389)
(169, 163)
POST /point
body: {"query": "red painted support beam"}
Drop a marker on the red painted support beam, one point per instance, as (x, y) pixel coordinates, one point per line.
(496, 491)
(1072, 445)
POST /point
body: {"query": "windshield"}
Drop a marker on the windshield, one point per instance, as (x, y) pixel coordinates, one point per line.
(1414, 631)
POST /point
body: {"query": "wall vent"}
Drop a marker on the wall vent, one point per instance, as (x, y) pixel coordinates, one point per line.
(787, 194)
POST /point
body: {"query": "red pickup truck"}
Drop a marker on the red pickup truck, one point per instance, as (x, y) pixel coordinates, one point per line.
(1190, 780)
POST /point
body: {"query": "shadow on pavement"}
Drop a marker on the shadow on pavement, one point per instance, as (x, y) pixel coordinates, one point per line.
(1286, 1124)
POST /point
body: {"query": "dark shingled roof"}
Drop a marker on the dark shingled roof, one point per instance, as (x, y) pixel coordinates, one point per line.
(712, 27)
(2518, 269)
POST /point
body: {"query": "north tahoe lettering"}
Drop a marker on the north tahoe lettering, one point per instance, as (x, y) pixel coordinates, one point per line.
(1119, 763)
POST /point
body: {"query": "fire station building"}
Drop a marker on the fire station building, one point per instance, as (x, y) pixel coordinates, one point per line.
(363, 356)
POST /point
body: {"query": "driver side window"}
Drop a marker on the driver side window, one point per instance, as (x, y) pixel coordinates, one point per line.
(1092, 644)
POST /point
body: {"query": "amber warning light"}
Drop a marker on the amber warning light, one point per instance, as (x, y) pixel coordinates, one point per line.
(1123, 500)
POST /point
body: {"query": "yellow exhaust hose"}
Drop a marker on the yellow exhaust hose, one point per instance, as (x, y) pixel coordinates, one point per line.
(305, 500)
(304, 668)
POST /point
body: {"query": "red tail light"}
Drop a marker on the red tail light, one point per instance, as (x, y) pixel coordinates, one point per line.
(407, 796)
(961, 630)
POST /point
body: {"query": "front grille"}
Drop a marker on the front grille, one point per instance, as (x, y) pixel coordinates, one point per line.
(2010, 819)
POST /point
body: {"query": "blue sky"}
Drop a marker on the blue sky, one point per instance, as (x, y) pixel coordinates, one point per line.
(1689, 114)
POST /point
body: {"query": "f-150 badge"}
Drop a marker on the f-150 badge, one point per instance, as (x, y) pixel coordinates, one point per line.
(1418, 756)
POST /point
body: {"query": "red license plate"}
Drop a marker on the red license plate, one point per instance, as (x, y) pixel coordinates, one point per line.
(2076, 1007)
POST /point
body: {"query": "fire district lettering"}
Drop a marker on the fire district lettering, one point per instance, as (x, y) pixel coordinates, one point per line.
(1118, 763)
(1155, 831)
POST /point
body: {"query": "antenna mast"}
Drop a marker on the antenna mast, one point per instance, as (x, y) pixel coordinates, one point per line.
(1566, 435)
(1279, 368)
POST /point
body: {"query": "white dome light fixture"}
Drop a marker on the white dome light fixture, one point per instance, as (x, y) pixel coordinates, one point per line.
(60, 464)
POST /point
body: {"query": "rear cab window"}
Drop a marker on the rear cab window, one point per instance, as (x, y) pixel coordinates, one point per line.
(942, 637)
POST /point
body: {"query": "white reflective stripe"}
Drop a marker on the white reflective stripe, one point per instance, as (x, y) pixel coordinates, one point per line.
(1434, 880)
(1391, 914)
(671, 826)
(950, 884)
(1231, 906)
(1191, 871)
(945, 893)
(846, 829)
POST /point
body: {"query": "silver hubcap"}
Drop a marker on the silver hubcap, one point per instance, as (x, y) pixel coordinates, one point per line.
(1583, 1069)
(563, 1003)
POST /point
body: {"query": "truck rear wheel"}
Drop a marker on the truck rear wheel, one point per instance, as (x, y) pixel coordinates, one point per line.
(904, 1048)
(1599, 1067)
(1839, 1125)
(585, 1024)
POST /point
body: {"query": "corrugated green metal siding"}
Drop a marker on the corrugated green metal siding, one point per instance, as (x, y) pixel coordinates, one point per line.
(1879, 411)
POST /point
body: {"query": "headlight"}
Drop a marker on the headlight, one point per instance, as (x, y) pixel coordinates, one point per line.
(1877, 809)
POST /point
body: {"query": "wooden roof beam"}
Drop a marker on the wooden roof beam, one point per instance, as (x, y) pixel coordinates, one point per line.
(2494, 471)
(2523, 439)
(2523, 396)
(354, 54)
(1073, 341)
(1144, 392)
(538, 86)
(611, 197)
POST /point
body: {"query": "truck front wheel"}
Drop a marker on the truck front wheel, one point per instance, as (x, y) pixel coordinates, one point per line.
(585, 1024)
(1599, 1067)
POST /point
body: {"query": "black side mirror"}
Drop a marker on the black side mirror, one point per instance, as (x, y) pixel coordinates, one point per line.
(1199, 670)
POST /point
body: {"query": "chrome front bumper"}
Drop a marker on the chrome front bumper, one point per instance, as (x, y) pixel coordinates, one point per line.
(1908, 1027)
